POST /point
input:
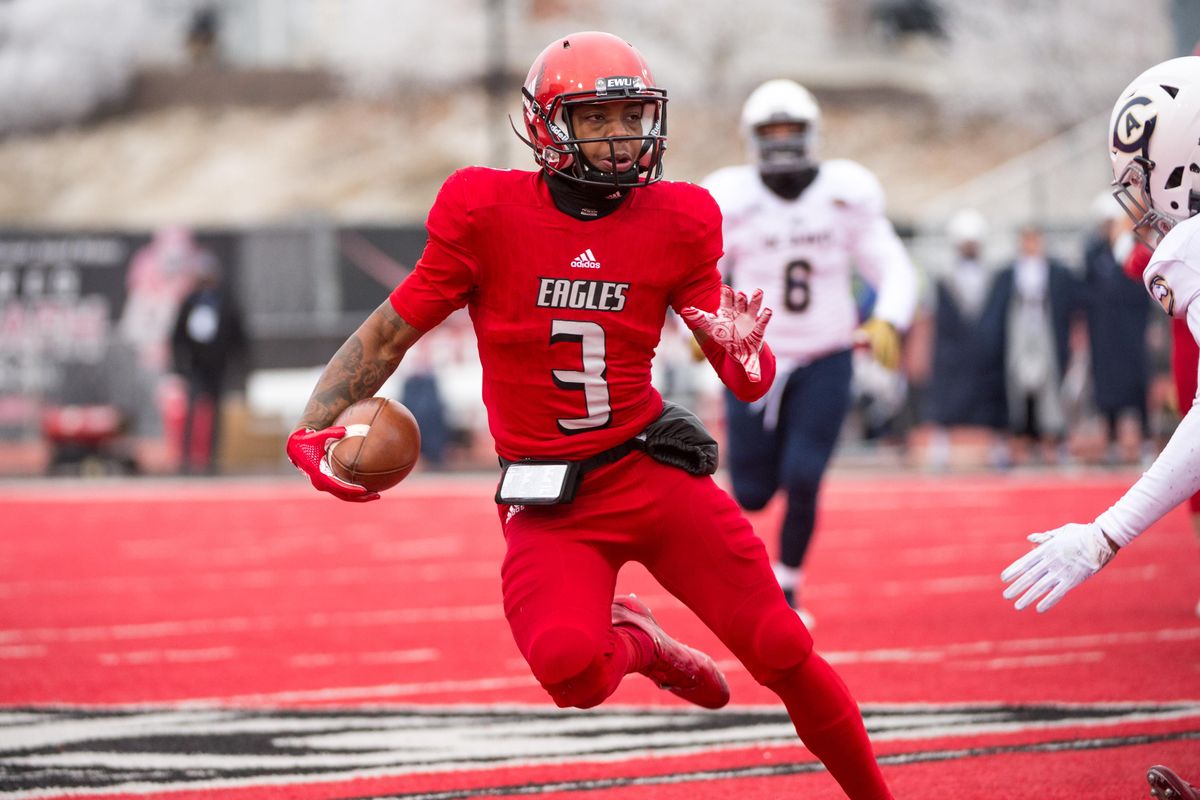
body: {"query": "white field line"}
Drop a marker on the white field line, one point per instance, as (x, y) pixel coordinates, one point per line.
(1050, 646)
(245, 624)
(889, 491)
(168, 656)
(1031, 662)
(260, 578)
(361, 693)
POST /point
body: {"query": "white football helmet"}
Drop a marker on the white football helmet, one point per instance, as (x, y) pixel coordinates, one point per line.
(782, 100)
(967, 225)
(1154, 143)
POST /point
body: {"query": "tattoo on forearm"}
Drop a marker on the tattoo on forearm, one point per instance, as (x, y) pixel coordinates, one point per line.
(360, 366)
(350, 376)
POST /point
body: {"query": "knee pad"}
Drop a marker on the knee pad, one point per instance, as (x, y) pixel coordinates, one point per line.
(561, 653)
(572, 667)
(781, 643)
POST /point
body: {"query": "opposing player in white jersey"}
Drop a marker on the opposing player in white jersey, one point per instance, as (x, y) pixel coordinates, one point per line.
(1154, 138)
(800, 229)
(1154, 143)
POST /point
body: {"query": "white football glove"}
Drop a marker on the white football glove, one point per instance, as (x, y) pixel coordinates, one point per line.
(737, 327)
(1064, 558)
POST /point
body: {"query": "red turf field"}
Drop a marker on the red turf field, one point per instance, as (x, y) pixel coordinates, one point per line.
(231, 640)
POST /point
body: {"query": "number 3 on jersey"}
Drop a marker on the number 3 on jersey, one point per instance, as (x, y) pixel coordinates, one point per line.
(591, 379)
(797, 292)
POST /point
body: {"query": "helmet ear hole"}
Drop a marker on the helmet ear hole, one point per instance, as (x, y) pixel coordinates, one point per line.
(1175, 179)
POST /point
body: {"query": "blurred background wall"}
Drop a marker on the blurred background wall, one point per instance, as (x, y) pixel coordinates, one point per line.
(302, 141)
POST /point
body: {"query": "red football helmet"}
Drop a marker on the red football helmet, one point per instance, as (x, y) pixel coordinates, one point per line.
(592, 67)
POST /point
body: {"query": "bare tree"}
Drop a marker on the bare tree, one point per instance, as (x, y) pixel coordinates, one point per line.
(1046, 63)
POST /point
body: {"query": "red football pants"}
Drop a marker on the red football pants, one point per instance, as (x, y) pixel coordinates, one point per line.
(559, 576)
(1185, 358)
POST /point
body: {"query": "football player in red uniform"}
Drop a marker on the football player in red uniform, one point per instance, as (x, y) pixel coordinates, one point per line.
(568, 272)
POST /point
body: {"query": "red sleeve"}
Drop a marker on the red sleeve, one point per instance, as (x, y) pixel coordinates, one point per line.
(1136, 261)
(733, 375)
(702, 289)
(701, 285)
(445, 274)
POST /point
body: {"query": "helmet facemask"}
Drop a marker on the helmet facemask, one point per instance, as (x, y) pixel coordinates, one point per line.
(784, 152)
(1132, 191)
(561, 153)
(781, 123)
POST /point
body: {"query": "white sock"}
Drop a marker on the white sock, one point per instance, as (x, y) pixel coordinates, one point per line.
(788, 577)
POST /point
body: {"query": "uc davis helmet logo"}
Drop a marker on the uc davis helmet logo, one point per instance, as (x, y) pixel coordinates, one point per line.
(1134, 125)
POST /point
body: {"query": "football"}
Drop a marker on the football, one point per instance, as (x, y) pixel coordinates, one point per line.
(381, 445)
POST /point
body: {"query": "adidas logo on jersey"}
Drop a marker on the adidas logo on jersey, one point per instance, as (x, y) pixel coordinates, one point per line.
(586, 260)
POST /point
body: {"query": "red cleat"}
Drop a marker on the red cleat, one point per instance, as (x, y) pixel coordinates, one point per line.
(677, 668)
(1166, 785)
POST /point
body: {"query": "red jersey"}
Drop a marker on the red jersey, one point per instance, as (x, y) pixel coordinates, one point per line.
(567, 312)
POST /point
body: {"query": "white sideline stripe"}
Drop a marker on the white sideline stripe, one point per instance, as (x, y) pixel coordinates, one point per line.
(260, 578)
(153, 630)
(1031, 662)
(224, 555)
(892, 492)
(149, 491)
(939, 653)
(418, 655)
(22, 651)
(956, 584)
(366, 692)
(202, 655)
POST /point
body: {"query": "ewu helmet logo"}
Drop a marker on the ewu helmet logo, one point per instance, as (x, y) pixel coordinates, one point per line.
(619, 83)
(1162, 292)
(1134, 126)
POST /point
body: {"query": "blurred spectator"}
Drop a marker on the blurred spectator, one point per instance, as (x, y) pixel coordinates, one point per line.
(1041, 298)
(202, 34)
(1118, 311)
(208, 337)
(966, 385)
(898, 19)
(422, 395)
(157, 279)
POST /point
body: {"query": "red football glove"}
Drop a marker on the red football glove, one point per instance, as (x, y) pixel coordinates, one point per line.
(737, 327)
(309, 451)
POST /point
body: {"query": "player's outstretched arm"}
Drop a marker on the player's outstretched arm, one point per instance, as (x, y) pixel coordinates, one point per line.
(357, 370)
(1066, 557)
(735, 332)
